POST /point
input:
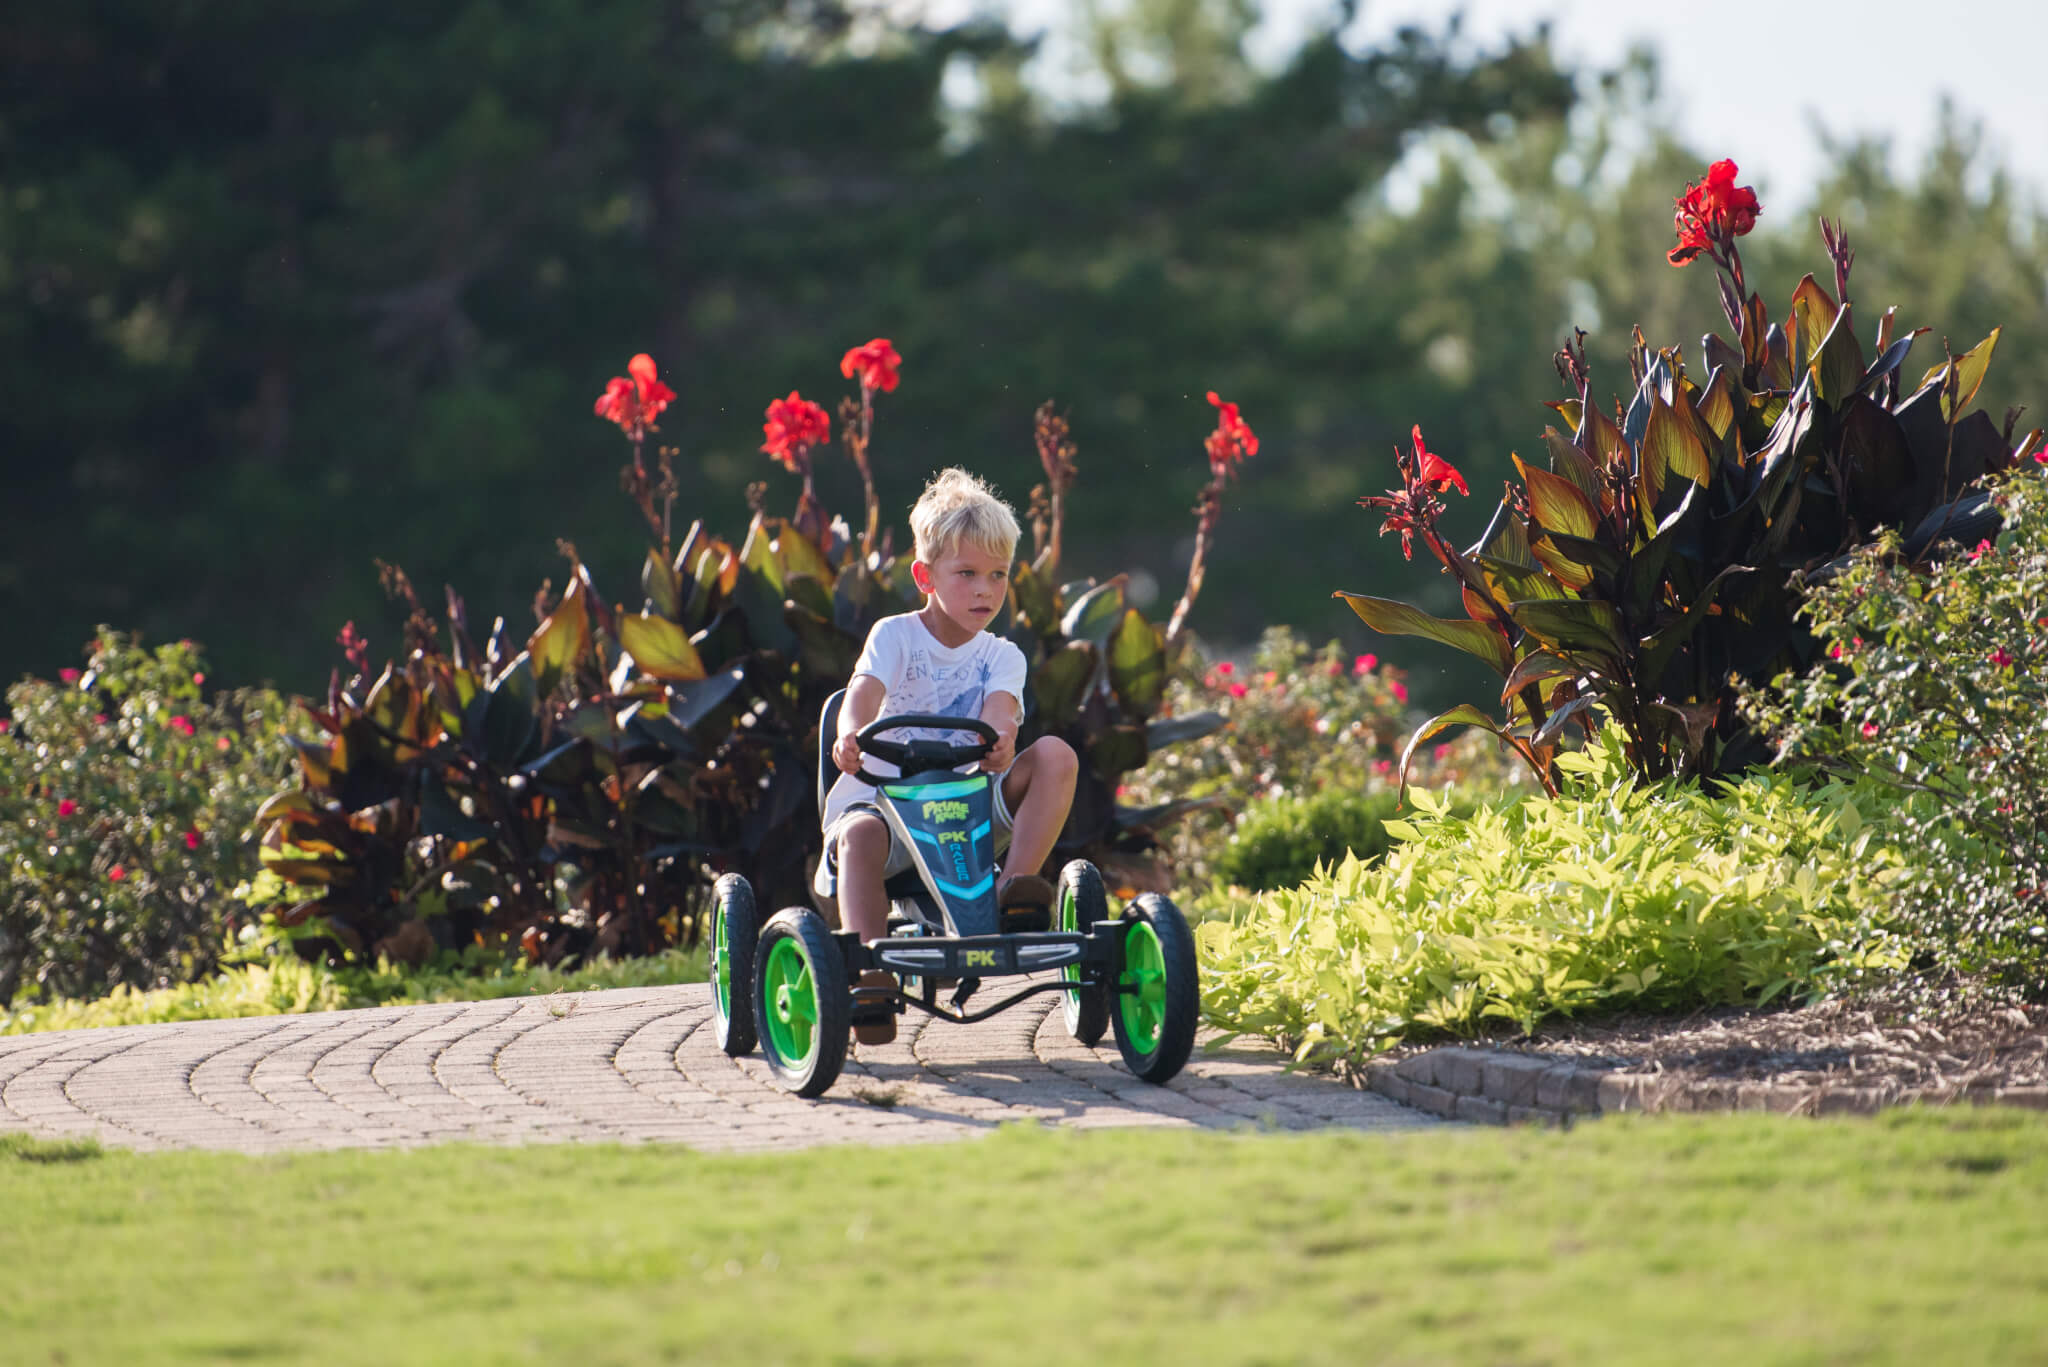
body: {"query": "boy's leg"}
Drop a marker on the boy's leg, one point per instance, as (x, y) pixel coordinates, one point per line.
(1038, 791)
(863, 854)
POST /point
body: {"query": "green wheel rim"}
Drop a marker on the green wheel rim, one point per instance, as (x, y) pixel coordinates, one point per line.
(1145, 970)
(1070, 917)
(721, 966)
(792, 1001)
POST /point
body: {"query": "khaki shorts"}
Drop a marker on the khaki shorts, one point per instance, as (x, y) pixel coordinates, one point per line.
(827, 882)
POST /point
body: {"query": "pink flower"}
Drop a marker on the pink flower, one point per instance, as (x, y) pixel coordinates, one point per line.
(65, 807)
(1269, 678)
(5, 725)
(2001, 659)
(1399, 690)
(117, 873)
(1226, 669)
(182, 725)
(1238, 690)
(99, 719)
(2041, 456)
(68, 675)
(1442, 752)
(1870, 730)
(199, 680)
(191, 840)
(221, 743)
(1384, 766)
(1336, 669)
(1982, 547)
(1365, 664)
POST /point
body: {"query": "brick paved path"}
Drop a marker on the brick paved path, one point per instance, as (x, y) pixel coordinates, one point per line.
(631, 1064)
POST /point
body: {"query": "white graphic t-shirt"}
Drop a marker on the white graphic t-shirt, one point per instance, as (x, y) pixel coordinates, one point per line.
(924, 676)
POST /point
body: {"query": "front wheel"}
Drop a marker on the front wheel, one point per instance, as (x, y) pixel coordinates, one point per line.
(1158, 995)
(801, 1001)
(1085, 1007)
(735, 925)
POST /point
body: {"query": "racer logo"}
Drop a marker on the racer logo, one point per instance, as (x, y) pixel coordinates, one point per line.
(945, 811)
(980, 958)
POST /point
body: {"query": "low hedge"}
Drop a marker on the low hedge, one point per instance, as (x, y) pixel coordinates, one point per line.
(1659, 896)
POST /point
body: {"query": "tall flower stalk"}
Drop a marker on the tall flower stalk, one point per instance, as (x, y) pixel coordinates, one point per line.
(876, 365)
(1232, 443)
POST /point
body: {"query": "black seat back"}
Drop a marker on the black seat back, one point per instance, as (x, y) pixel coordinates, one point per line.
(828, 731)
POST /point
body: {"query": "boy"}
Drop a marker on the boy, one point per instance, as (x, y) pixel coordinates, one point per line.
(943, 660)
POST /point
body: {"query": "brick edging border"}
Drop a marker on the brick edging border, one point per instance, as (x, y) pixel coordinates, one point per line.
(1504, 1087)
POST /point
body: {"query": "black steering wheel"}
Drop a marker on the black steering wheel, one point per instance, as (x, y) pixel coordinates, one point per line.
(915, 757)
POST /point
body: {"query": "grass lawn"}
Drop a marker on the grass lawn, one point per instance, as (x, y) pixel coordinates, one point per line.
(1914, 1238)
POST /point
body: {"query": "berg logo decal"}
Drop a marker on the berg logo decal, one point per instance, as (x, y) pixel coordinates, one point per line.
(952, 837)
(945, 811)
(981, 958)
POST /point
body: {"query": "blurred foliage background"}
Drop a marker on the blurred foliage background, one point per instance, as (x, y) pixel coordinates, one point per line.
(284, 290)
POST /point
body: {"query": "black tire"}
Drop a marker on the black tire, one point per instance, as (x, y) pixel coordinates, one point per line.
(804, 1055)
(737, 925)
(1082, 903)
(1155, 1027)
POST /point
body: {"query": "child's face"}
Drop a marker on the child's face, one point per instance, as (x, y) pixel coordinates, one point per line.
(966, 583)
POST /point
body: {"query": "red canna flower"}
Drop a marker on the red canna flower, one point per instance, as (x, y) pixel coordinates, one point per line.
(1435, 471)
(65, 807)
(794, 426)
(355, 646)
(117, 873)
(1712, 210)
(191, 840)
(874, 363)
(1232, 441)
(635, 403)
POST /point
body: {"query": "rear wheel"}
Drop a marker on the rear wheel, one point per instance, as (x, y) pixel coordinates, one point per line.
(801, 1001)
(1082, 903)
(735, 925)
(1158, 996)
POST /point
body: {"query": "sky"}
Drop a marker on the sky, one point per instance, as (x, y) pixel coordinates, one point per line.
(1744, 79)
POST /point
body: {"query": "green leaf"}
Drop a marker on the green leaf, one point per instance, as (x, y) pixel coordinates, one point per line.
(1174, 730)
(1672, 443)
(1061, 682)
(661, 585)
(510, 716)
(1814, 314)
(799, 555)
(1838, 368)
(1095, 613)
(1117, 750)
(1715, 405)
(1659, 648)
(1970, 368)
(1556, 503)
(758, 555)
(660, 648)
(811, 594)
(1573, 464)
(1399, 619)
(1033, 600)
(1582, 626)
(827, 652)
(1137, 664)
(563, 639)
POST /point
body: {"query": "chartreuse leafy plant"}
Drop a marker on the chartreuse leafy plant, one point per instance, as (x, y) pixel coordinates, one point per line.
(1645, 560)
(579, 788)
(126, 797)
(1614, 894)
(1935, 686)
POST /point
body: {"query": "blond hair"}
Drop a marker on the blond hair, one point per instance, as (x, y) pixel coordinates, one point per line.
(958, 507)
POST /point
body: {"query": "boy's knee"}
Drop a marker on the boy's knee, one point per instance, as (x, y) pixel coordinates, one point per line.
(1055, 758)
(864, 839)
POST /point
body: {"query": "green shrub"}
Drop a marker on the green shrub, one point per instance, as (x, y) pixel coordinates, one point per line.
(1937, 686)
(1659, 896)
(1279, 841)
(126, 800)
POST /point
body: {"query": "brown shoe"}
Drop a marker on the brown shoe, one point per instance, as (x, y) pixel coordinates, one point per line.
(880, 1028)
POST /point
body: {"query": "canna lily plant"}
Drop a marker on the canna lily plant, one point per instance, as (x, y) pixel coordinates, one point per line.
(1645, 563)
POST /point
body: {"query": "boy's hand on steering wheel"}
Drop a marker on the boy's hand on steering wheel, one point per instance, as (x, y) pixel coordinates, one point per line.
(846, 754)
(1003, 753)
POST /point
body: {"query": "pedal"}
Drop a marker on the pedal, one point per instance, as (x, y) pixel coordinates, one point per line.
(967, 988)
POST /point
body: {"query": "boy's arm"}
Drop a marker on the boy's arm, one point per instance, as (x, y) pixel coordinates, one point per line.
(862, 704)
(1004, 712)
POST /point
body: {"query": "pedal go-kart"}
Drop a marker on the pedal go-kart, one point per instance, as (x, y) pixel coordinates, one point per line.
(788, 984)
